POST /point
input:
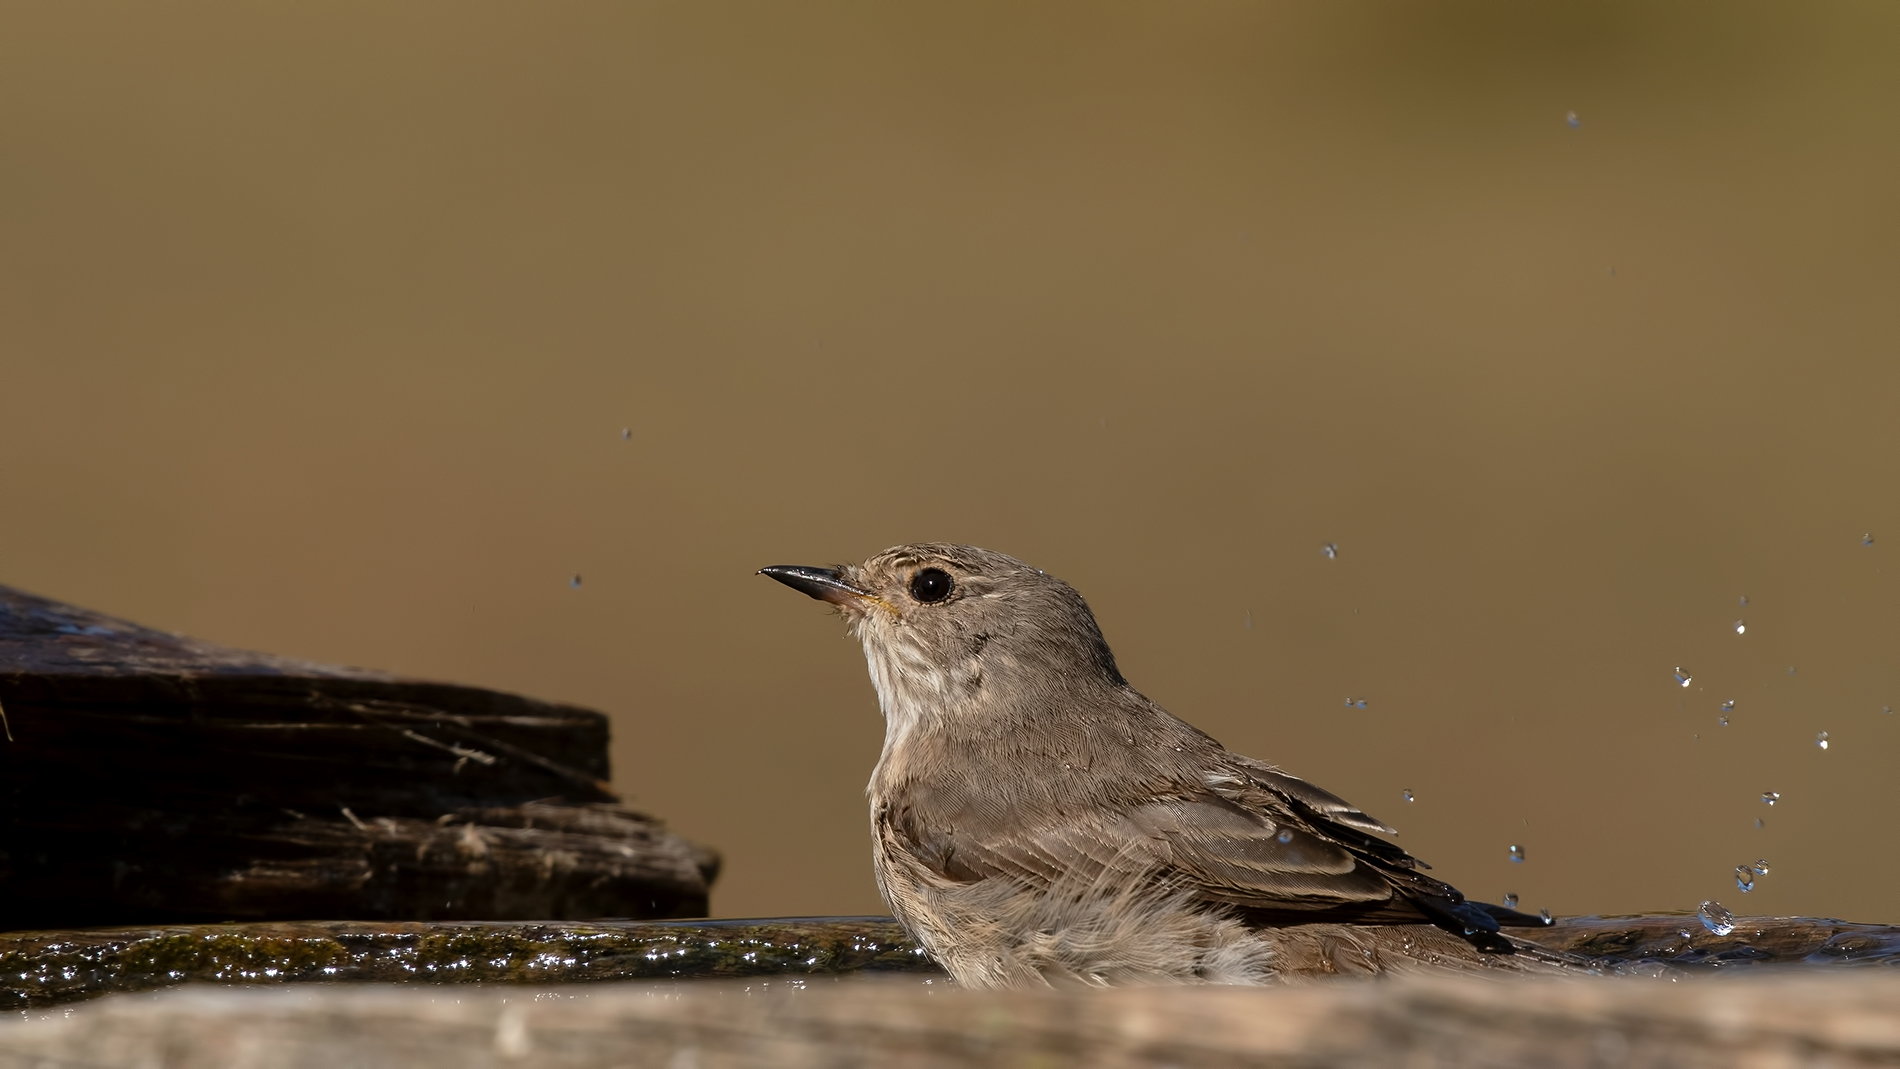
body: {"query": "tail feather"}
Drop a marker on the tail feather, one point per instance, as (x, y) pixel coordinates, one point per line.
(1510, 918)
(1477, 922)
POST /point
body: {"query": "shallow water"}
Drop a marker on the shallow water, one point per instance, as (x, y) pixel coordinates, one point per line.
(1682, 941)
(43, 969)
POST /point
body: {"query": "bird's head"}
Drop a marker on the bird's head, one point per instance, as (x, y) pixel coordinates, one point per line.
(953, 632)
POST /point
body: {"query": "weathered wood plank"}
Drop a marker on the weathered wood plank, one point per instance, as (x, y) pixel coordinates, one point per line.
(148, 777)
(1766, 1019)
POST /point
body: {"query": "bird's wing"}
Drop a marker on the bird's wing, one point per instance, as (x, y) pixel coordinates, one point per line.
(1270, 859)
(1249, 857)
(1273, 793)
(1321, 803)
(1204, 844)
(1222, 827)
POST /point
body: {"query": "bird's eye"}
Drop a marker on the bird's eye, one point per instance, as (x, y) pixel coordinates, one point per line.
(931, 584)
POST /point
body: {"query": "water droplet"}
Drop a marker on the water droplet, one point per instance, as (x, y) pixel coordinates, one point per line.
(1791, 669)
(1741, 627)
(1888, 709)
(1722, 720)
(1355, 703)
(1744, 601)
(1745, 878)
(1544, 915)
(1329, 550)
(1761, 867)
(1715, 918)
(1727, 705)
(1867, 539)
(1285, 836)
(1517, 853)
(1407, 795)
(1572, 119)
(1758, 823)
(626, 433)
(1510, 900)
(1820, 739)
(1682, 676)
(1771, 797)
(575, 582)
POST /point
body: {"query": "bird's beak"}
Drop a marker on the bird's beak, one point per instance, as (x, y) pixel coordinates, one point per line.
(825, 584)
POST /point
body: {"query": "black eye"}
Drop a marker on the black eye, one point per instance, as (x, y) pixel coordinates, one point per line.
(931, 584)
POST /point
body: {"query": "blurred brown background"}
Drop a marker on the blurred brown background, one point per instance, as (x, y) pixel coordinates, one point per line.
(319, 326)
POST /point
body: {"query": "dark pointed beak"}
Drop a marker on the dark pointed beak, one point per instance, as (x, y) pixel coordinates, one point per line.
(825, 584)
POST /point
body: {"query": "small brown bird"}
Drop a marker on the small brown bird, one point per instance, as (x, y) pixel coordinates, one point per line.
(1035, 818)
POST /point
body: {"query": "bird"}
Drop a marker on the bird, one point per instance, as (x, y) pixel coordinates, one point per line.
(1036, 820)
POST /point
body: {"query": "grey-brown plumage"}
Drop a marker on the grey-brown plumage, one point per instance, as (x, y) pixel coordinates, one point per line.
(1034, 817)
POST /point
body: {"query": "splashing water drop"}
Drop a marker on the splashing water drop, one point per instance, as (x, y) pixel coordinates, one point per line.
(1791, 669)
(1716, 919)
(1682, 676)
(1745, 878)
(1510, 900)
(1820, 739)
(1355, 703)
(1744, 601)
(1741, 627)
(1285, 836)
(1517, 853)
(1888, 709)
(1728, 705)
(626, 433)
(1867, 539)
(1544, 915)
(1758, 823)
(1572, 119)
(1329, 550)
(1406, 794)
(1722, 720)
(575, 582)
(1771, 797)
(1761, 867)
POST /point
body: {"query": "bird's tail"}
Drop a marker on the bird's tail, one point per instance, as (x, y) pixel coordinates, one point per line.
(1510, 918)
(1477, 922)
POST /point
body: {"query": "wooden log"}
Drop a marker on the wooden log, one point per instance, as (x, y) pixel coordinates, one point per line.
(1767, 1019)
(146, 777)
